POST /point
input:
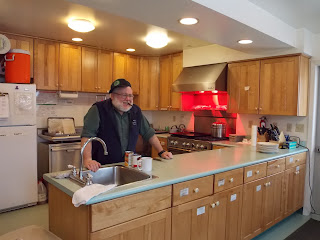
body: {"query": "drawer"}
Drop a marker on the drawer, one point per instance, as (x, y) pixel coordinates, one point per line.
(255, 172)
(276, 166)
(229, 179)
(191, 190)
(295, 160)
(119, 210)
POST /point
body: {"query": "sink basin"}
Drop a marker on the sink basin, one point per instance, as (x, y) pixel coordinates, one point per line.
(118, 175)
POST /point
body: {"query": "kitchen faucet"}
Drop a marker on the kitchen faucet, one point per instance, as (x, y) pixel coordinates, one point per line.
(84, 146)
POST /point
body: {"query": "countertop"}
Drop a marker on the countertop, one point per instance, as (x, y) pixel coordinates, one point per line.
(183, 167)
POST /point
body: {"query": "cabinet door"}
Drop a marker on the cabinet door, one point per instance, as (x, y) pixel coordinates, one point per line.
(119, 65)
(279, 86)
(46, 64)
(105, 64)
(70, 68)
(156, 226)
(89, 70)
(225, 215)
(294, 189)
(24, 43)
(273, 207)
(177, 65)
(243, 87)
(252, 209)
(165, 82)
(163, 142)
(190, 220)
(149, 83)
(133, 73)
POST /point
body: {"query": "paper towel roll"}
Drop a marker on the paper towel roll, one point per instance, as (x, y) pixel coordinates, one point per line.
(68, 95)
(254, 130)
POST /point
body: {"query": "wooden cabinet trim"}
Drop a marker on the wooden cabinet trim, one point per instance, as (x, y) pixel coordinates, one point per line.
(276, 166)
(295, 160)
(254, 172)
(229, 179)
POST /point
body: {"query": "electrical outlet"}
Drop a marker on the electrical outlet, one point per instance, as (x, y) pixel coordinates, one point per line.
(289, 127)
(299, 127)
(250, 124)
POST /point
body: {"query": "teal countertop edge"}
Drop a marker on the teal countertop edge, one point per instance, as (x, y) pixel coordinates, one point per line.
(182, 168)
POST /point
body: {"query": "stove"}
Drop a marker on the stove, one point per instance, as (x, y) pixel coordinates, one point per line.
(187, 142)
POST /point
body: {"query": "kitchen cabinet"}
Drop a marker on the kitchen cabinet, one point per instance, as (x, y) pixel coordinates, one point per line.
(163, 141)
(70, 68)
(170, 68)
(228, 179)
(96, 70)
(46, 64)
(149, 83)
(127, 67)
(271, 86)
(24, 43)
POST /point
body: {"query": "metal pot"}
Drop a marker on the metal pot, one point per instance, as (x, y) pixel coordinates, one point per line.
(218, 129)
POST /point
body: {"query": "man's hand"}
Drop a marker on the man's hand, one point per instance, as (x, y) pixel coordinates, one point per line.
(92, 165)
(166, 155)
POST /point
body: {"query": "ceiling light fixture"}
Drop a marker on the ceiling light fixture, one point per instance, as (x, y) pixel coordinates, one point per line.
(81, 25)
(188, 21)
(77, 39)
(157, 40)
(130, 50)
(245, 41)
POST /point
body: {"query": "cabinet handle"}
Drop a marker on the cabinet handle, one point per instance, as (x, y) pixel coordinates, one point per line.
(266, 184)
(60, 85)
(269, 183)
(278, 166)
(57, 85)
(256, 108)
(99, 87)
(257, 172)
(217, 203)
(297, 160)
(260, 108)
(213, 205)
(231, 180)
(95, 87)
(297, 172)
(156, 106)
(196, 190)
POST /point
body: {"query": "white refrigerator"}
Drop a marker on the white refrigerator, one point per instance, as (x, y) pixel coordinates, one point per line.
(18, 146)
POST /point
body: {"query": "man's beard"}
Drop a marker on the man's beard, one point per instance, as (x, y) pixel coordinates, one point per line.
(120, 106)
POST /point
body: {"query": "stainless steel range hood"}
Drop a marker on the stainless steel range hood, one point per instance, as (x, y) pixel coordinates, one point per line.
(202, 78)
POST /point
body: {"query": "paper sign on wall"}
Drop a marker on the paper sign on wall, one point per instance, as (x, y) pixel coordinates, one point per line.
(201, 210)
(184, 192)
(221, 182)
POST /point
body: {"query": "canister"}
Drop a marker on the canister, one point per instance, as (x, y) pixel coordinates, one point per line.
(218, 129)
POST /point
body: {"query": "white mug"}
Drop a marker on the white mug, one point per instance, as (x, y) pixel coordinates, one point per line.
(145, 164)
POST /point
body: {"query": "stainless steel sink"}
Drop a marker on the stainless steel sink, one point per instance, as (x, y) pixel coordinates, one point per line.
(118, 175)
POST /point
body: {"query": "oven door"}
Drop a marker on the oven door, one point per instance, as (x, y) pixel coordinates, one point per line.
(176, 151)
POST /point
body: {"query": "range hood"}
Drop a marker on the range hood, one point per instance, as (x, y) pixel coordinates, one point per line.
(202, 78)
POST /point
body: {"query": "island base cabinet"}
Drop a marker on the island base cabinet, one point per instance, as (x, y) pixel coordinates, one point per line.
(156, 226)
(294, 189)
(225, 215)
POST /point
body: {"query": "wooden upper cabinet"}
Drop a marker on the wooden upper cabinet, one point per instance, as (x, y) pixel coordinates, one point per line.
(133, 72)
(46, 64)
(177, 66)
(105, 64)
(243, 87)
(165, 81)
(272, 86)
(119, 65)
(281, 86)
(24, 43)
(70, 68)
(149, 83)
(89, 70)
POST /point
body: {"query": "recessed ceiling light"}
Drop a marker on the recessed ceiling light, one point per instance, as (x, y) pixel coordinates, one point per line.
(81, 25)
(157, 40)
(245, 41)
(188, 21)
(130, 50)
(77, 39)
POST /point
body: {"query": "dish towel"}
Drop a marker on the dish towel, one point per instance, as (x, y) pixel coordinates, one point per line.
(84, 194)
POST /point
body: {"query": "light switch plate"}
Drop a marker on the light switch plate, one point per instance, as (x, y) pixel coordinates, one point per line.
(289, 127)
(299, 127)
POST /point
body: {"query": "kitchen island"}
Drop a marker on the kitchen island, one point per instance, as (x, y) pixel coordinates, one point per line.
(161, 200)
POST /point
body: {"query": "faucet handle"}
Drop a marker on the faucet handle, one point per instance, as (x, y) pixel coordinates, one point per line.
(74, 170)
(89, 179)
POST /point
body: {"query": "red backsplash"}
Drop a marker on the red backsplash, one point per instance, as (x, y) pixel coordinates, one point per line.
(211, 100)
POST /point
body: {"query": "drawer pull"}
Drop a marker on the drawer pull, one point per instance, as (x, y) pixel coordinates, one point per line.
(267, 184)
(231, 180)
(196, 190)
(296, 173)
(297, 160)
(213, 205)
(278, 166)
(217, 203)
(257, 172)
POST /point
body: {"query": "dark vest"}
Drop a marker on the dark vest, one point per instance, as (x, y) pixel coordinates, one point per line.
(108, 132)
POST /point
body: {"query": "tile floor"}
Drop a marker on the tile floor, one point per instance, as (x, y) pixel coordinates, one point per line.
(38, 215)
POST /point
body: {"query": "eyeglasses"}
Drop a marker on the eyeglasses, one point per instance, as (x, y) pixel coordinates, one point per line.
(124, 96)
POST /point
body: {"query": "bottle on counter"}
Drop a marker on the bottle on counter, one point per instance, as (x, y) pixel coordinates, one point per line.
(42, 193)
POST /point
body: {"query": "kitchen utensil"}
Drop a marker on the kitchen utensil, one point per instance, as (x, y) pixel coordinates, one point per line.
(145, 164)
(218, 129)
(174, 129)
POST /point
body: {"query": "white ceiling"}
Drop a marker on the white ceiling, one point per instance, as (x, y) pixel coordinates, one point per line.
(296, 13)
(125, 23)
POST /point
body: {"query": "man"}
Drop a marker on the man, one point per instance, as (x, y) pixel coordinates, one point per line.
(118, 122)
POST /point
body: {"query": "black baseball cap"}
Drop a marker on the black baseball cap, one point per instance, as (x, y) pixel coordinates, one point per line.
(121, 82)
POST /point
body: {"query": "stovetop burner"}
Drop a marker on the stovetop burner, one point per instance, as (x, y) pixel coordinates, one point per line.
(210, 138)
(198, 136)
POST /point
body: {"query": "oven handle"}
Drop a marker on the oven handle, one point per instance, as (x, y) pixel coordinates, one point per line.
(179, 149)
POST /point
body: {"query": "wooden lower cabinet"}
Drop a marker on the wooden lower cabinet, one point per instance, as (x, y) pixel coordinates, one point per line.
(156, 226)
(294, 188)
(213, 217)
